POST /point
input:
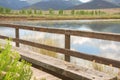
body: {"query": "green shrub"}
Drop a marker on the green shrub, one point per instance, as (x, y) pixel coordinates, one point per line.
(11, 68)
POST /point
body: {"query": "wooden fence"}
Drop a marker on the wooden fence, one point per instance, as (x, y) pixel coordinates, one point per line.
(66, 51)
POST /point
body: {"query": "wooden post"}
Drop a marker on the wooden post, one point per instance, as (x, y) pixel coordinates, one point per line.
(67, 46)
(17, 36)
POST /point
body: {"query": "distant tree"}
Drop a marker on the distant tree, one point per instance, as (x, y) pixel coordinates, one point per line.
(92, 12)
(99, 12)
(22, 11)
(96, 12)
(29, 11)
(40, 12)
(77, 12)
(7, 10)
(35, 11)
(82, 12)
(87, 13)
(73, 12)
(1, 9)
(51, 11)
(61, 12)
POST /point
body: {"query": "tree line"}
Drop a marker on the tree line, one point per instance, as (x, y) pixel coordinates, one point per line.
(62, 12)
(51, 12)
(5, 10)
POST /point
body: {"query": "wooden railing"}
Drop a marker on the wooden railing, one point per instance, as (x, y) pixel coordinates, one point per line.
(66, 51)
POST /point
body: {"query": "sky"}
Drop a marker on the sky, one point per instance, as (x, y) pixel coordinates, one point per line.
(84, 0)
(34, 1)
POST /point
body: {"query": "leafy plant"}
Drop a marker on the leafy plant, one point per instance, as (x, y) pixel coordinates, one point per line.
(11, 68)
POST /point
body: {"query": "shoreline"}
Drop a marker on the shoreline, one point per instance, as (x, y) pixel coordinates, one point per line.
(52, 18)
(64, 21)
(80, 20)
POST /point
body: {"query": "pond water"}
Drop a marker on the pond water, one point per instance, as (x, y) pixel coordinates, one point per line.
(105, 48)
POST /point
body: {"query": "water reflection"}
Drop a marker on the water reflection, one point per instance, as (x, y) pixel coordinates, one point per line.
(103, 48)
(7, 31)
(102, 26)
(84, 28)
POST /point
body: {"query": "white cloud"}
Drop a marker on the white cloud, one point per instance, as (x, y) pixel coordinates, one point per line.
(85, 0)
(34, 1)
(79, 40)
(22, 0)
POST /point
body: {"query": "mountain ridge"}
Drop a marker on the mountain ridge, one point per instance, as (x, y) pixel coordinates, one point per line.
(59, 4)
(13, 4)
(54, 4)
(96, 4)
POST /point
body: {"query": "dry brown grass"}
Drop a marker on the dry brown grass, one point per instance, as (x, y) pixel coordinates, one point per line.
(49, 42)
(106, 69)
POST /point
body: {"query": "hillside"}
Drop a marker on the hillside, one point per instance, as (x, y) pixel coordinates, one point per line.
(54, 4)
(13, 4)
(59, 4)
(115, 1)
(96, 4)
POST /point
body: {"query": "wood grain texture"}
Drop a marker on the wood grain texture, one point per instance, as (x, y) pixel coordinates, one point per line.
(63, 68)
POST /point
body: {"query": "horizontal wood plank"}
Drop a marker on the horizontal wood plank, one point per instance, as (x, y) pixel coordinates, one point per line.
(63, 68)
(97, 35)
(68, 52)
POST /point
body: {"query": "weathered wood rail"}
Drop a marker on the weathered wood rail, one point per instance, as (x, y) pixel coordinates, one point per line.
(62, 69)
(66, 51)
